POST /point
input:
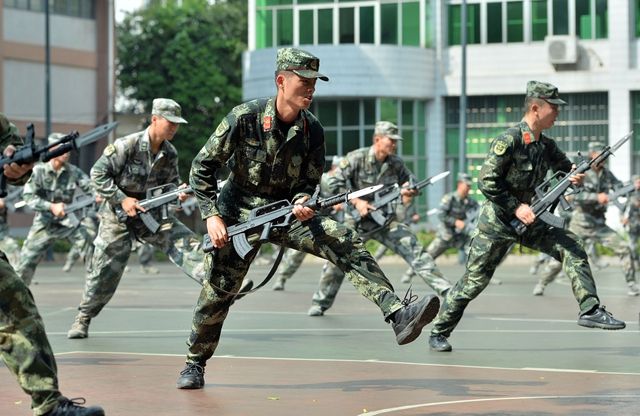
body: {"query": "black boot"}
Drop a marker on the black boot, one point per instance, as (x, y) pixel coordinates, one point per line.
(409, 321)
(439, 343)
(192, 377)
(72, 407)
(600, 318)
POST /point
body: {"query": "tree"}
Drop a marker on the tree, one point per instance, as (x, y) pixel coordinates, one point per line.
(190, 51)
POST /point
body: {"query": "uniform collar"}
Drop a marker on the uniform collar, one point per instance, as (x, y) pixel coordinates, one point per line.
(270, 119)
(527, 135)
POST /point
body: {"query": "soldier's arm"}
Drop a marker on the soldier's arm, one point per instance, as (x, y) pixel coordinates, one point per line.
(30, 192)
(215, 153)
(105, 170)
(84, 182)
(445, 211)
(312, 170)
(492, 179)
(9, 137)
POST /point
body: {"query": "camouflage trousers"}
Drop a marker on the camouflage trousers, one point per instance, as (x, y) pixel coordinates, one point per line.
(399, 238)
(440, 244)
(320, 236)
(491, 241)
(83, 248)
(145, 254)
(291, 261)
(113, 249)
(41, 235)
(9, 246)
(605, 236)
(380, 253)
(24, 346)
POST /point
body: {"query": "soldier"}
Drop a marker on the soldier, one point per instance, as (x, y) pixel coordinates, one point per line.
(50, 188)
(275, 149)
(517, 163)
(8, 244)
(631, 219)
(24, 346)
(365, 167)
(292, 259)
(589, 223)
(457, 216)
(145, 257)
(121, 176)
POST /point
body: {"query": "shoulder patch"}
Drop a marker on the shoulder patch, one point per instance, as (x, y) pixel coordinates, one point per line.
(223, 128)
(499, 147)
(109, 150)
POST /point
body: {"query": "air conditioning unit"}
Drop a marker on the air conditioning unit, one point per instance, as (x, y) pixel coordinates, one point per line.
(562, 49)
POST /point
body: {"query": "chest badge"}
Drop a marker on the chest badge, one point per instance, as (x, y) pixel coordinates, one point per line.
(266, 123)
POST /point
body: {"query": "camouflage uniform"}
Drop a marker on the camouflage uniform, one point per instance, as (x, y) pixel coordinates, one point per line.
(24, 346)
(127, 168)
(515, 165)
(360, 169)
(8, 244)
(452, 208)
(589, 223)
(45, 187)
(268, 166)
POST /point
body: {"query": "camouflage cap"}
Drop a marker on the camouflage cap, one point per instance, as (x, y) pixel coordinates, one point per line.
(168, 109)
(464, 177)
(299, 62)
(596, 147)
(388, 129)
(54, 137)
(544, 91)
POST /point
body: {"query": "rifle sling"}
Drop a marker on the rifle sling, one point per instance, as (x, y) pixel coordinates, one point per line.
(238, 295)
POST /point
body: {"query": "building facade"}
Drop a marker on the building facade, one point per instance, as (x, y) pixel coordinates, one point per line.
(400, 60)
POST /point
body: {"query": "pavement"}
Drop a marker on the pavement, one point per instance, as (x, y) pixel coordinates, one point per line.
(513, 353)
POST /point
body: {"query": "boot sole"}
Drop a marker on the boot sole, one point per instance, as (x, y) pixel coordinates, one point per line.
(414, 329)
(189, 387)
(77, 336)
(609, 327)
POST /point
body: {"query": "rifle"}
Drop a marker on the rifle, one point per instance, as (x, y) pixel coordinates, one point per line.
(548, 197)
(619, 193)
(29, 153)
(277, 215)
(385, 199)
(80, 203)
(157, 197)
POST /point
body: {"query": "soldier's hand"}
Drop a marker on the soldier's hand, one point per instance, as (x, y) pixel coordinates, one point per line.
(301, 212)
(13, 170)
(182, 196)
(525, 214)
(576, 179)
(363, 206)
(459, 224)
(57, 209)
(603, 198)
(131, 207)
(406, 191)
(217, 230)
(2, 204)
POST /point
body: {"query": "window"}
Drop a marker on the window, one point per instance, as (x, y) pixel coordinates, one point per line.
(602, 16)
(305, 33)
(73, 8)
(284, 26)
(411, 24)
(539, 19)
(325, 26)
(366, 25)
(389, 24)
(264, 29)
(494, 22)
(473, 24)
(560, 17)
(515, 27)
(347, 31)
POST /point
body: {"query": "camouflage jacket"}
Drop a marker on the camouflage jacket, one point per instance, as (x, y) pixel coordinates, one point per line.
(632, 213)
(453, 208)
(127, 168)
(9, 136)
(586, 201)
(265, 165)
(47, 186)
(515, 165)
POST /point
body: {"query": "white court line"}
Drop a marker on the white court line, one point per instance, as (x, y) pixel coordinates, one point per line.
(367, 361)
(496, 399)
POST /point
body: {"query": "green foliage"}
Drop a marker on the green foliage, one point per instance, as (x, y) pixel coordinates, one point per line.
(191, 53)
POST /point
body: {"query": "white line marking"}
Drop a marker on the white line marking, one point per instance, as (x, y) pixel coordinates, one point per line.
(496, 399)
(367, 361)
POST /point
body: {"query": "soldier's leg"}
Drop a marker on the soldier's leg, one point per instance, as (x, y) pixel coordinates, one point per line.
(24, 346)
(110, 256)
(10, 247)
(380, 252)
(145, 254)
(82, 244)
(611, 239)
(291, 262)
(402, 241)
(331, 279)
(33, 250)
(549, 274)
(485, 254)
(565, 246)
(437, 247)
